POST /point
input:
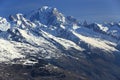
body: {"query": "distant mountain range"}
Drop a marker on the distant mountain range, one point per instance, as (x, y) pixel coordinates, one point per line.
(81, 51)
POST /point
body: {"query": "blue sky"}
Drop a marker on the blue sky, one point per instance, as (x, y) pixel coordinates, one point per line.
(90, 10)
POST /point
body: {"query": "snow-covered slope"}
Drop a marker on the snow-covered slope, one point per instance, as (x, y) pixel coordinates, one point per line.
(110, 29)
(8, 51)
(97, 43)
(47, 33)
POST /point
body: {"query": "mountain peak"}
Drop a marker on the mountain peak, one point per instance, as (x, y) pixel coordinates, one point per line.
(4, 24)
(20, 21)
(2, 20)
(43, 8)
(47, 8)
(16, 17)
(47, 15)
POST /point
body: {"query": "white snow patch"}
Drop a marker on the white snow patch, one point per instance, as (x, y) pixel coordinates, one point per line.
(103, 28)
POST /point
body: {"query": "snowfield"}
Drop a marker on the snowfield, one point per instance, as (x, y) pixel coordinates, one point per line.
(8, 51)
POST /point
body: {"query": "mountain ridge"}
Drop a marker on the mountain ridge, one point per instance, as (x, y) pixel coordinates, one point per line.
(24, 30)
(47, 36)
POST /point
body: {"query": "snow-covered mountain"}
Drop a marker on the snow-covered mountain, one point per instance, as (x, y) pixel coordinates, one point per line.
(47, 15)
(46, 33)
